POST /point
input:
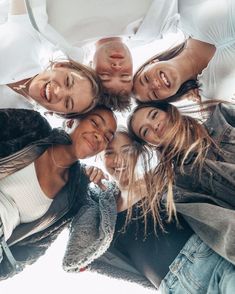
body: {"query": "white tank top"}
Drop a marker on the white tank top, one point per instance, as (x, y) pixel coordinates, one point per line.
(21, 199)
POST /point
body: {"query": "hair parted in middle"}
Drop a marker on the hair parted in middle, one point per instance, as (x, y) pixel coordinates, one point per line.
(167, 55)
(187, 138)
(87, 72)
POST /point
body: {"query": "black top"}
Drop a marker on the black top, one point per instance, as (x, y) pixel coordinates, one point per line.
(151, 254)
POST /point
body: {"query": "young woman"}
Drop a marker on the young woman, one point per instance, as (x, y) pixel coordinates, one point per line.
(199, 160)
(167, 260)
(206, 56)
(64, 87)
(42, 184)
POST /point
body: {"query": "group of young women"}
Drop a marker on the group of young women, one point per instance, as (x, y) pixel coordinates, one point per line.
(170, 226)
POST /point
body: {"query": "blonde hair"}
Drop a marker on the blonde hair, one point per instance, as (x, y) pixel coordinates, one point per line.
(86, 72)
(187, 136)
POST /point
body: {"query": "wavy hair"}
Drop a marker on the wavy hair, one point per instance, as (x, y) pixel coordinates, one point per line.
(187, 137)
(166, 55)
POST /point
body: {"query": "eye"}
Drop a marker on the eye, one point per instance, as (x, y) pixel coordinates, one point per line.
(145, 132)
(126, 77)
(146, 78)
(104, 77)
(108, 153)
(154, 114)
(69, 103)
(94, 122)
(67, 82)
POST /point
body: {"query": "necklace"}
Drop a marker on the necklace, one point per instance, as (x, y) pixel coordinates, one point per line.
(53, 159)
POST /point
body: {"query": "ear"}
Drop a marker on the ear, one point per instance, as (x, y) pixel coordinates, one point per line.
(193, 95)
(154, 61)
(69, 123)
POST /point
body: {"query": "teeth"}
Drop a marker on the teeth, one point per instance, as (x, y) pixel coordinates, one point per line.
(119, 169)
(48, 91)
(165, 80)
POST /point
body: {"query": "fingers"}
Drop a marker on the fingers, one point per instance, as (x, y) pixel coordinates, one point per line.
(96, 175)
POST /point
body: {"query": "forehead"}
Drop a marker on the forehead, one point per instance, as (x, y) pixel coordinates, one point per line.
(140, 116)
(117, 86)
(106, 117)
(119, 140)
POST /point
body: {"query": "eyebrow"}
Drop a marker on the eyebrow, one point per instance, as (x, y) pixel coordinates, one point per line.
(149, 114)
(103, 121)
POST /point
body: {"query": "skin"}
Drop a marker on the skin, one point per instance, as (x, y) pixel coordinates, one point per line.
(150, 124)
(113, 63)
(60, 89)
(90, 137)
(115, 158)
(116, 164)
(162, 79)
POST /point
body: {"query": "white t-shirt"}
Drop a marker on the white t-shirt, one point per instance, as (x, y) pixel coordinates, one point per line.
(81, 22)
(213, 21)
(21, 199)
(23, 54)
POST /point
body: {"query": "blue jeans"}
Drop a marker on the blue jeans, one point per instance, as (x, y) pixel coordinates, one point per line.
(199, 270)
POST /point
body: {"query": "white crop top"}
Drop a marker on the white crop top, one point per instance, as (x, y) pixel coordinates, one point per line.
(21, 199)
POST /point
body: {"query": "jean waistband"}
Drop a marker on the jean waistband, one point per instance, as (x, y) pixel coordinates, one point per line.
(186, 253)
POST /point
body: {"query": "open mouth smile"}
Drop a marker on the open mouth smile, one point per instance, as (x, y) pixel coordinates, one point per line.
(46, 92)
(165, 79)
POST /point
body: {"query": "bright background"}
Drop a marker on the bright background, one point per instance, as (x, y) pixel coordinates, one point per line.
(46, 275)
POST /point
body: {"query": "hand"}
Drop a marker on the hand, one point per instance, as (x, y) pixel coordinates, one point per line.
(96, 175)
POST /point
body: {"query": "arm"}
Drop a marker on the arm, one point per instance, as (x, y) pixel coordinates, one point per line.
(17, 7)
(28, 251)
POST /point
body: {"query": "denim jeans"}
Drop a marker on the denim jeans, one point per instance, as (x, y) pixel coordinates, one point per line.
(199, 270)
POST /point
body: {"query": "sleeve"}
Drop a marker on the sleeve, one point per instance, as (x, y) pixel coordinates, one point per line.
(28, 251)
(20, 127)
(91, 231)
(228, 112)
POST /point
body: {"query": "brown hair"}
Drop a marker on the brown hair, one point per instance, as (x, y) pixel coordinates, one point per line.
(116, 102)
(166, 55)
(186, 136)
(87, 72)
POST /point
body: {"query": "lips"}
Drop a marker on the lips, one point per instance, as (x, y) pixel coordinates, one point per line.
(45, 92)
(165, 79)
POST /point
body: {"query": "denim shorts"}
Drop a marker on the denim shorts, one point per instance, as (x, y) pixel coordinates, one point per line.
(197, 269)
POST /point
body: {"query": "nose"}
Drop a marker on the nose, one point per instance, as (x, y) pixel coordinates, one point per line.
(155, 85)
(118, 160)
(116, 65)
(57, 93)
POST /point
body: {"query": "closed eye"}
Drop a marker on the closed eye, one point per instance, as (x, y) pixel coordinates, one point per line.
(69, 104)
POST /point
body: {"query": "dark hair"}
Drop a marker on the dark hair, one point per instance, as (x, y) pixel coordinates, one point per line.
(166, 55)
(97, 107)
(115, 101)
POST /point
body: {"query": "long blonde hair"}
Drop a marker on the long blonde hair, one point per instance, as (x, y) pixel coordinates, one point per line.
(187, 136)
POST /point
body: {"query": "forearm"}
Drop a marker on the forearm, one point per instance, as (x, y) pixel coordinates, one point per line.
(17, 7)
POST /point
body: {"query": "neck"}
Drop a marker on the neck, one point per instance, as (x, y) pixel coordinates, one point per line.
(191, 61)
(61, 157)
(22, 87)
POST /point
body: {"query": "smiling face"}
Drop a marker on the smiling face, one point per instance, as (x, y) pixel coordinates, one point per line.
(93, 133)
(116, 158)
(62, 90)
(157, 81)
(151, 125)
(113, 63)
